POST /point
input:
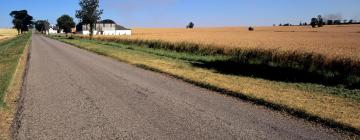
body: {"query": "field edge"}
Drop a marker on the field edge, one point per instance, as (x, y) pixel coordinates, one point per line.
(13, 94)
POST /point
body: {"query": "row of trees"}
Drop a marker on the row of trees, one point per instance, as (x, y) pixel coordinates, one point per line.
(331, 20)
(64, 23)
(42, 26)
(320, 21)
(88, 14)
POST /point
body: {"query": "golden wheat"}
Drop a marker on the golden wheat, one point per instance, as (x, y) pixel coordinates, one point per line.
(7, 33)
(331, 41)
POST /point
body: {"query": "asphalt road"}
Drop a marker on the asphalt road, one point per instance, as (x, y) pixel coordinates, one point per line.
(74, 94)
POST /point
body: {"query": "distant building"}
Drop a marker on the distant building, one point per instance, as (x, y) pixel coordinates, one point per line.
(54, 30)
(104, 27)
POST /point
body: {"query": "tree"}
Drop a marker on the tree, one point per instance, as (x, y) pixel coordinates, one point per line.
(320, 21)
(190, 25)
(251, 28)
(42, 26)
(65, 22)
(89, 13)
(351, 21)
(345, 21)
(330, 22)
(333, 19)
(314, 22)
(21, 20)
(337, 22)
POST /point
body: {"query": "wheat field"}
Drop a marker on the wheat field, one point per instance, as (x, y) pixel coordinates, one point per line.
(331, 41)
(7, 33)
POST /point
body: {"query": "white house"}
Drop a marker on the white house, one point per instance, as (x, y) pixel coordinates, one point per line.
(104, 27)
(54, 30)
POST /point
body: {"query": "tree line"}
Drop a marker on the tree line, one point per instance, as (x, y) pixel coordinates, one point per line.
(320, 21)
(88, 14)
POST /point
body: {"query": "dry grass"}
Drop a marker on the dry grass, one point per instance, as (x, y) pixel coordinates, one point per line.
(7, 33)
(332, 41)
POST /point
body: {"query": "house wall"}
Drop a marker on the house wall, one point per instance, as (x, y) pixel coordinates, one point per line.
(100, 27)
(117, 32)
(87, 32)
(51, 31)
(105, 29)
(123, 32)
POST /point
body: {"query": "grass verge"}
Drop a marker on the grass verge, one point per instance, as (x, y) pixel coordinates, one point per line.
(14, 53)
(333, 106)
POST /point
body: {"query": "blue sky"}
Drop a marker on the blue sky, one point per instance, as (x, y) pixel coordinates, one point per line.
(177, 13)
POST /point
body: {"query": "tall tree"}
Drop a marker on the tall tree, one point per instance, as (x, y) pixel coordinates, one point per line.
(314, 22)
(89, 13)
(320, 21)
(65, 22)
(42, 26)
(21, 20)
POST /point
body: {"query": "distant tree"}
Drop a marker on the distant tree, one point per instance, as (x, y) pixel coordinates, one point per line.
(333, 19)
(190, 25)
(251, 28)
(42, 26)
(65, 22)
(314, 22)
(21, 20)
(287, 24)
(300, 24)
(337, 22)
(320, 21)
(329, 22)
(280, 24)
(305, 24)
(351, 21)
(89, 13)
(345, 21)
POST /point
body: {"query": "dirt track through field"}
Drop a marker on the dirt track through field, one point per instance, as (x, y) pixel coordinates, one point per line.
(74, 94)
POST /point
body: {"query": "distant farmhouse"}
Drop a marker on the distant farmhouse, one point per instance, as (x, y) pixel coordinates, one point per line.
(104, 27)
(54, 30)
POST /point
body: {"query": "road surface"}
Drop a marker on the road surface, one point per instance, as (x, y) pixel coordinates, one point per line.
(74, 94)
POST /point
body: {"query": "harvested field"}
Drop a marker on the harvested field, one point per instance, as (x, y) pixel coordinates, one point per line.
(331, 41)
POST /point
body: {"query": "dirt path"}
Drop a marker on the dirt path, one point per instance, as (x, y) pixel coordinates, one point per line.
(73, 94)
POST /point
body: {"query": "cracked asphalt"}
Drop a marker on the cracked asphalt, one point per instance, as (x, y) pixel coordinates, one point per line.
(71, 93)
